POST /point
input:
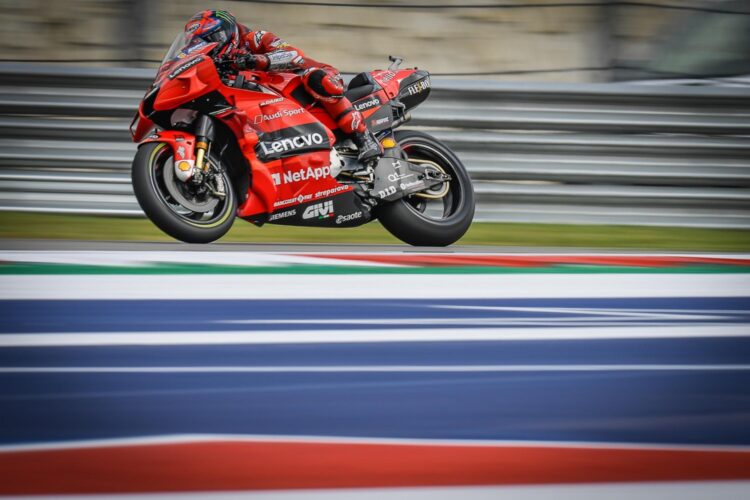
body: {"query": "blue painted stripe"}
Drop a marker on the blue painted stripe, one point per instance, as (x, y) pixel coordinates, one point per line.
(30, 316)
(688, 408)
(734, 350)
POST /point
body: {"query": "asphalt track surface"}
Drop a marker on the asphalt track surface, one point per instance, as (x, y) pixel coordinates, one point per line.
(309, 374)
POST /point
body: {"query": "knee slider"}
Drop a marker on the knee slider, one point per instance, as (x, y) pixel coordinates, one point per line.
(322, 85)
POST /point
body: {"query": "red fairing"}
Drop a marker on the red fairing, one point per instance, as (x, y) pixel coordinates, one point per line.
(141, 126)
(285, 137)
(187, 81)
(182, 143)
(390, 80)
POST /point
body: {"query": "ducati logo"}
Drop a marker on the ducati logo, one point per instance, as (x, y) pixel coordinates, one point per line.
(319, 210)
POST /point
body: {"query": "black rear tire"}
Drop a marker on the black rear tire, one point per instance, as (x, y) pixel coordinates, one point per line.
(166, 212)
(408, 220)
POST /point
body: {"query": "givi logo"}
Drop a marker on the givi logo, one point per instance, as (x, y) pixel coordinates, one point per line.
(319, 210)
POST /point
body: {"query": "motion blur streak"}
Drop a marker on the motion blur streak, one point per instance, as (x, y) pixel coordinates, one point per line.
(374, 376)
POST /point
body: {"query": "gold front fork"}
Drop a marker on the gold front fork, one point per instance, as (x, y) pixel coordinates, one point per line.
(200, 155)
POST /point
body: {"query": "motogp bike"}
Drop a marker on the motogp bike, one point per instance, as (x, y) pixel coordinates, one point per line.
(216, 143)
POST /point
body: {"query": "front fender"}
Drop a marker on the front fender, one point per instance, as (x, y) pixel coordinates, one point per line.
(182, 143)
(183, 147)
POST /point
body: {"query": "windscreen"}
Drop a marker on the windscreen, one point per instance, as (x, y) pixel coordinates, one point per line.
(183, 45)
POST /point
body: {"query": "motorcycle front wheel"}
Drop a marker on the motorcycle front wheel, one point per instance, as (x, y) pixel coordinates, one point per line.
(441, 215)
(188, 212)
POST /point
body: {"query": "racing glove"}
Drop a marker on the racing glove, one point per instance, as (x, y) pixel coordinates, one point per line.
(252, 61)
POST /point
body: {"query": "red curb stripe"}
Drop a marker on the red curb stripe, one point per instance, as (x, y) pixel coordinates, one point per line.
(226, 465)
(532, 260)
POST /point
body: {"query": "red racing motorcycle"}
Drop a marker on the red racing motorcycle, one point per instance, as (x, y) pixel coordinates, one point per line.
(216, 143)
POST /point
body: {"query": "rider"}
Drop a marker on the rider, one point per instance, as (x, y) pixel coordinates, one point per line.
(264, 51)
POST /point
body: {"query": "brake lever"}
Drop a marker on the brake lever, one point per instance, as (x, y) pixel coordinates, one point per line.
(395, 62)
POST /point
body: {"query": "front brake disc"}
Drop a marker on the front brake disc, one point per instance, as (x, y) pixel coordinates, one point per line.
(179, 193)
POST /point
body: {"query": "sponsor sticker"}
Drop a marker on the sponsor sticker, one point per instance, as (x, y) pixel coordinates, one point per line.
(283, 113)
(184, 67)
(418, 87)
(304, 174)
(186, 52)
(328, 192)
(299, 199)
(407, 185)
(387, 76)
(379, 121)
(398, 177)
(347, 218)
(292, 145)
(283, 215)
(282, 57)
(279, 44)
(322, 210)
(370, 103)
(272, 101)
(389, 191)
(258, 37)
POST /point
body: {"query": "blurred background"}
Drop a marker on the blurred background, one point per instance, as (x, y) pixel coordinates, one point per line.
(555, 41)
(617, 128)
(593, 113)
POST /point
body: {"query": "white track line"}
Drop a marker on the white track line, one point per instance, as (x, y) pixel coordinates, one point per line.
(357, 286)
(367, 335)
(132, 259)
(317, 439)
(688, 490)
(375, 368)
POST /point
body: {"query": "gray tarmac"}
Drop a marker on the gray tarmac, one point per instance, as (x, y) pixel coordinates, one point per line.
(74, 245)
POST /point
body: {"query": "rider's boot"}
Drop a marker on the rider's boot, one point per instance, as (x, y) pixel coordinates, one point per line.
(351, 122)
(368, 146)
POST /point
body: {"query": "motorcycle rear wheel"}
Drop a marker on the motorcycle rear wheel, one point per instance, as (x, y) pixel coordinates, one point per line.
(431, 222)
(164, 198)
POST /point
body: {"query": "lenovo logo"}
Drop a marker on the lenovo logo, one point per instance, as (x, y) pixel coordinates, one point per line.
(184, 67)
(291, 141)
(370, 103)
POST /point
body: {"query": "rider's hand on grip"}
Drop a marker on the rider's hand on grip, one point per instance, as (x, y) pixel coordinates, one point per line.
(224, 65)
(252, 61)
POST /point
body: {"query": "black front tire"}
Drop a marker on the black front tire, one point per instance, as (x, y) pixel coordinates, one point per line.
(166, 214)
(404, 219)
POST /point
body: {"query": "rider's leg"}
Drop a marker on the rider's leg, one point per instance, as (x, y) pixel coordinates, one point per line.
(329, 90)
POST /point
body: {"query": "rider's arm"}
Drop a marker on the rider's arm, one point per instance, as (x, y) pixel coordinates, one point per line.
(278, 54)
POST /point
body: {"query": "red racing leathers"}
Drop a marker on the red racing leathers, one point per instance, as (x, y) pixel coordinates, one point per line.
(321, 80)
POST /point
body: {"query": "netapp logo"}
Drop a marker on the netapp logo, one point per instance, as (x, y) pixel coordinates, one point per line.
(319, 210)
(184, 67)
(307, 174)
(370, 103)
(289, 146)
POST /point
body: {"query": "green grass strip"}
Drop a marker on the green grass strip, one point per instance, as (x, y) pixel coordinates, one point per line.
(94, 228)
(23, 268)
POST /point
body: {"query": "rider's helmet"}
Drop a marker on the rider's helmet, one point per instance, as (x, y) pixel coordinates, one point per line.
(218, 26)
